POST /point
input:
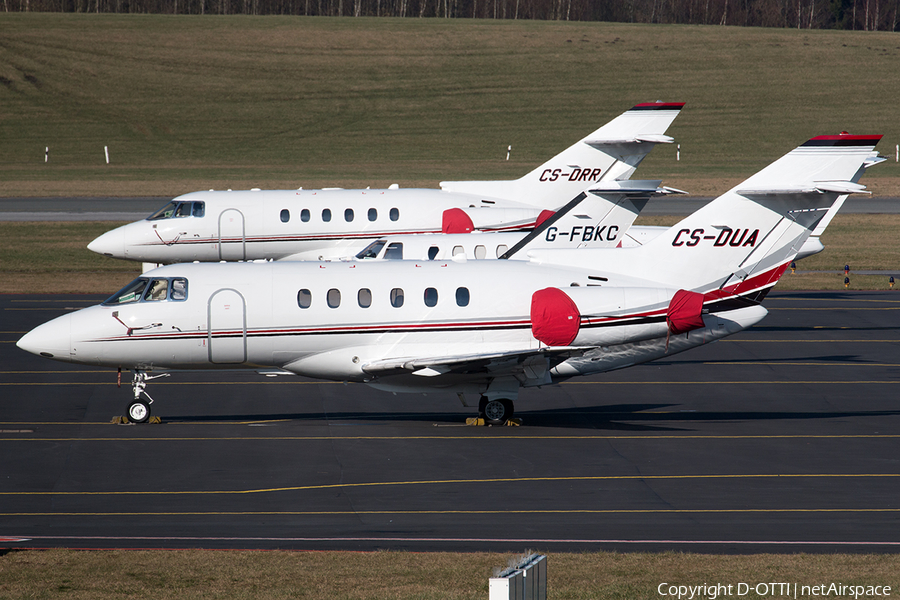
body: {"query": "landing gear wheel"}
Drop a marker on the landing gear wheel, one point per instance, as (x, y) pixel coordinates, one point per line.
(497, 412)
(138, 411)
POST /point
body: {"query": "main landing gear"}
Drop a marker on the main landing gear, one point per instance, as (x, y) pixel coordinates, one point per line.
(139, 410)
(495, 411)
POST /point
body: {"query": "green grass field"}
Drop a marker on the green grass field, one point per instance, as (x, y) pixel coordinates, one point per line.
(421, 576)
(187, 102)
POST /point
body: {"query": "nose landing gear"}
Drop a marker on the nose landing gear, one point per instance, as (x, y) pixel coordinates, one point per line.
(139, 410)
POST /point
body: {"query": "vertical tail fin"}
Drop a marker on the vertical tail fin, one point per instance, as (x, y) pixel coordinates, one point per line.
(597, 218)
(740, 243)
(611, 153)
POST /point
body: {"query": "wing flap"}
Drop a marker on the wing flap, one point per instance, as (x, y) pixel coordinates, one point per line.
(489, 362)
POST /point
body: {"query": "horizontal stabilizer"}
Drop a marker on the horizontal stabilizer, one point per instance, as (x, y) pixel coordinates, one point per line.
(817, 187)
(647, 138)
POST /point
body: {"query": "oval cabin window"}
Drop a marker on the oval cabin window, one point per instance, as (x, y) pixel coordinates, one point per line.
(285, 215)
(304, 298)
(333, 298)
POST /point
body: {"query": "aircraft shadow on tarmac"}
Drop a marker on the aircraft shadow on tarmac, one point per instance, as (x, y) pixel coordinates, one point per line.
(782, 329)
(620, 417)
(788, 361)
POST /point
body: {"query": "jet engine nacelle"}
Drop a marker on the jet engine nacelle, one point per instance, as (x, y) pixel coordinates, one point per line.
(601, 316)
(466, 220)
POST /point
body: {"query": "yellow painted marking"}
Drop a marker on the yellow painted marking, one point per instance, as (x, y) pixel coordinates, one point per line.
(801, 364)
(330, 486)
(741, 382)
(315, 513)
(128, 383)
(810, 299)
(465, 438)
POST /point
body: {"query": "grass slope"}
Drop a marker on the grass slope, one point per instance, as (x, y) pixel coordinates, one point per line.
(188, 102)
(402, 575)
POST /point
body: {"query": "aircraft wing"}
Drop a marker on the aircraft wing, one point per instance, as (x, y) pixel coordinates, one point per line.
(532, 363)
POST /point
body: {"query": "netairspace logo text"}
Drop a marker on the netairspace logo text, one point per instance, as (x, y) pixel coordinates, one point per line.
(771, 590)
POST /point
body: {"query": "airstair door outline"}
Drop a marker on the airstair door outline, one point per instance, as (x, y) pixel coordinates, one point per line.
(227, 327)
(232, 235)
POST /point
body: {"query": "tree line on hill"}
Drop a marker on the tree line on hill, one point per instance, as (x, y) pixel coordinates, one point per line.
(867, 15)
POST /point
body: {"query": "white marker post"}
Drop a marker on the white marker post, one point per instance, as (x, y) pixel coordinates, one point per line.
(678, 152)
(508, 150)
(47, 154)
(898, 153)
(106, 151)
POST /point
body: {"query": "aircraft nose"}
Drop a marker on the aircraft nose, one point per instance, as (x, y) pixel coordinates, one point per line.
(111, 243)
(50, 340)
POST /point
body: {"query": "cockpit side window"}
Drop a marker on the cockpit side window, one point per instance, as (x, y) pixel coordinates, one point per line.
(179, 289)
(157, 290)
(165, 212)
(179, 209)
(394, 251)
(144, 289)
(132, 292)
(372, 250)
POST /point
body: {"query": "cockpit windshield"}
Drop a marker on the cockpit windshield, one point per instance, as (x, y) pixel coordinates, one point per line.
(150, 289)
(372, 250)
(179, 209)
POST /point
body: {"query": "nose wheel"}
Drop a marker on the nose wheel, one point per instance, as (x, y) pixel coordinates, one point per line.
(138, 409)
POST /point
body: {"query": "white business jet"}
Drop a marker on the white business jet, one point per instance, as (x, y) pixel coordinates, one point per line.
(332, 223)
(475, 327)
(596, 218)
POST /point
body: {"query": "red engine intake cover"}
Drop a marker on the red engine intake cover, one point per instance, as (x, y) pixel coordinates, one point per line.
(554, 317)
(455, 220)
(685, 312)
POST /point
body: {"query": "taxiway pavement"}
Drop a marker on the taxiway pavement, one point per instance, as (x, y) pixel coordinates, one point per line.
(782, 438)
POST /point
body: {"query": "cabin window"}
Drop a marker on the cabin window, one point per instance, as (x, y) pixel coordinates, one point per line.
(348, 215)
(457, 250)
(157, 290)
(364, 297)
(431, 297)
(326, 214)
(394, 251)
(304, 298)
(304, 215)
(433, 252)
(395, 214)
(333, 298)
(285, 215)
(501, 250)
(372, 250)
(480, 252)
(462, 296)
(373, 214)
(396, 297)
